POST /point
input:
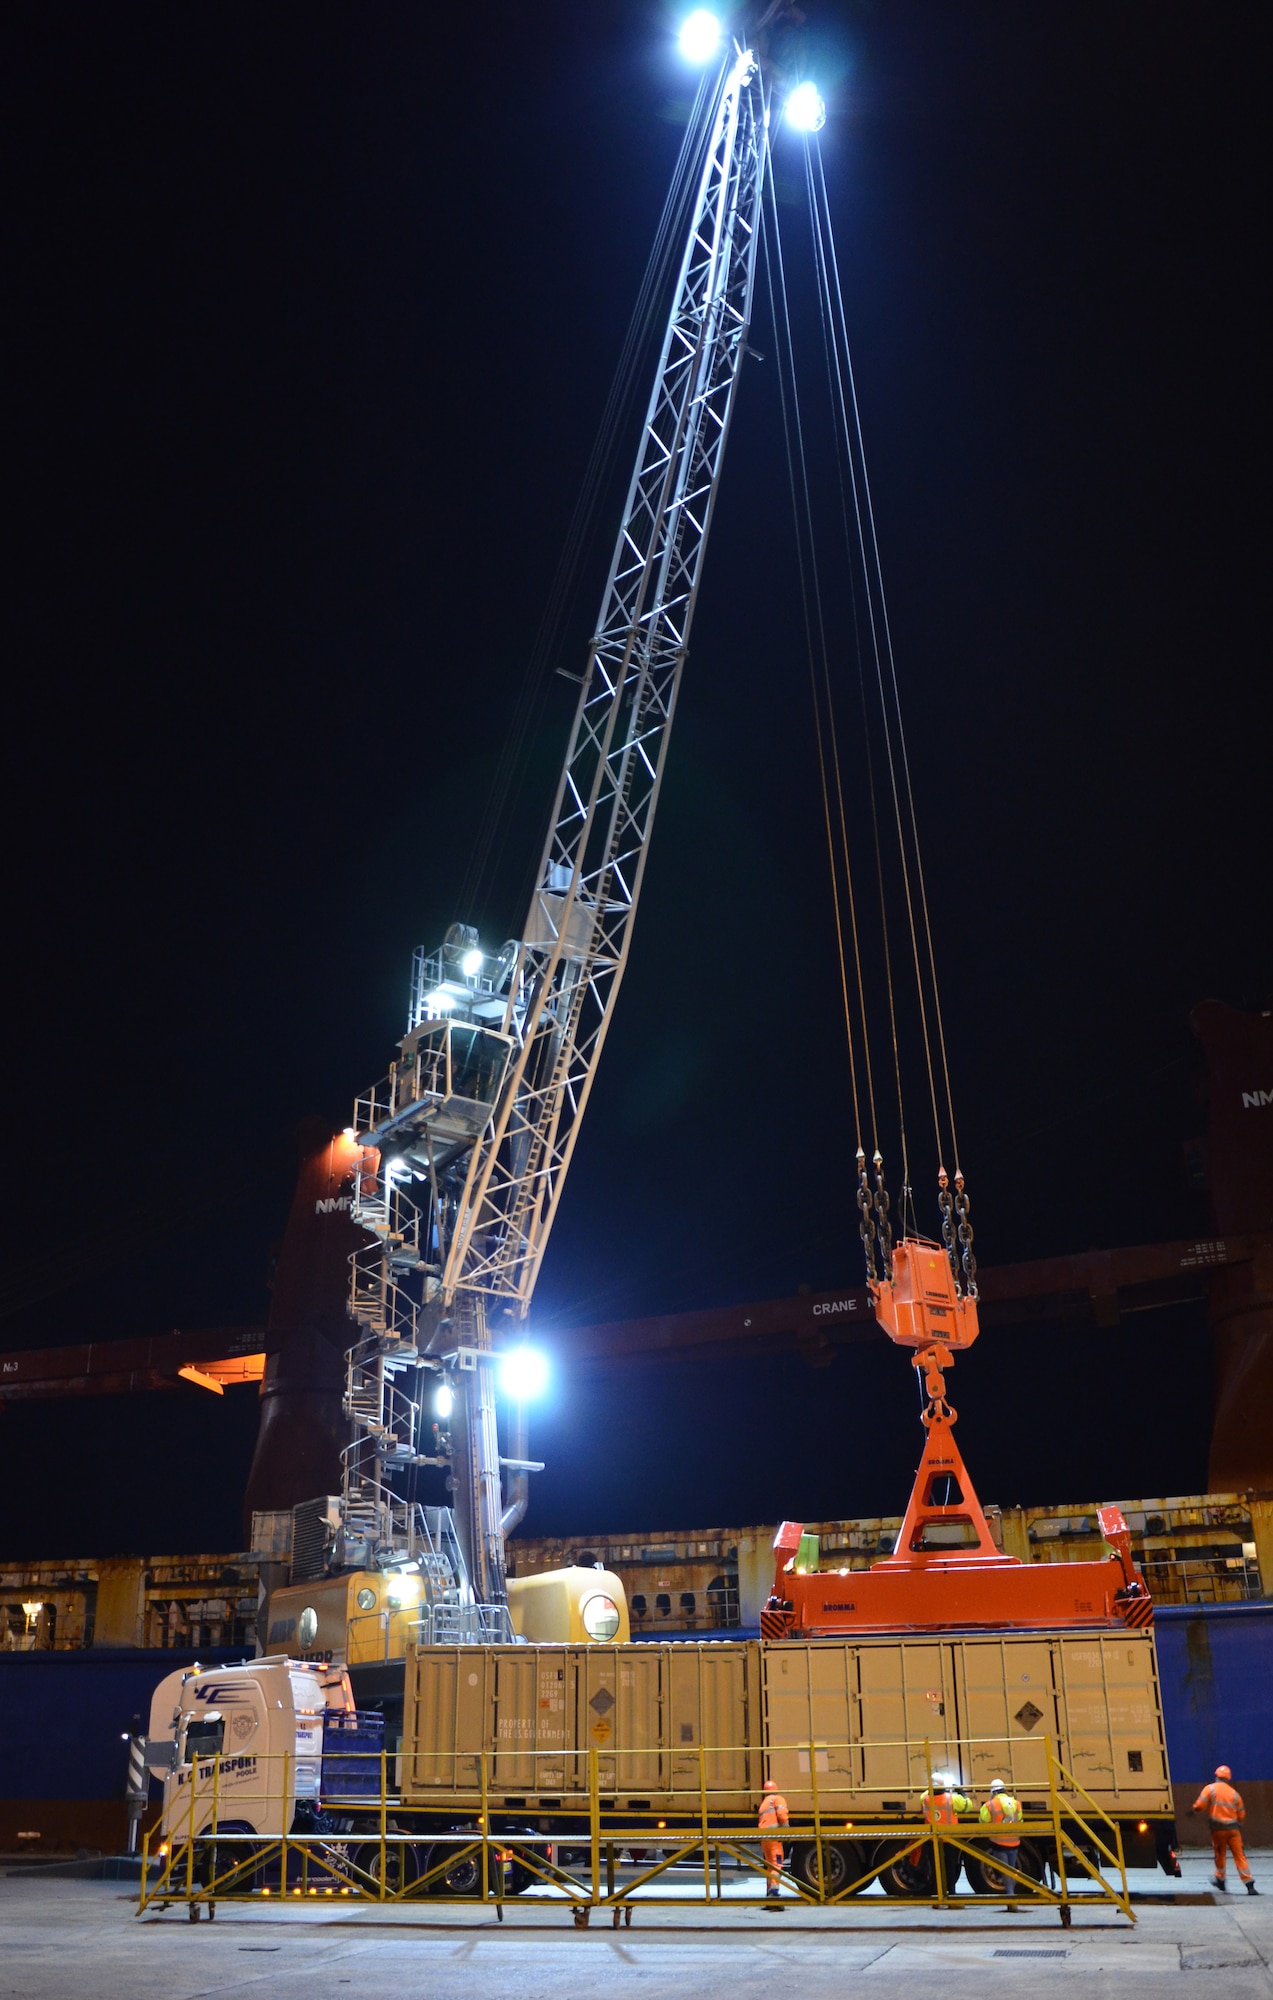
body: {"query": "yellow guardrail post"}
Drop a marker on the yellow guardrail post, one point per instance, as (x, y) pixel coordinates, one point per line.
(702, 1809)
(817, 1820)
(194, 1781)
(594, 1817)
(939, 1880)
(384, 1818)
(1057, 1836)
(485, 1823)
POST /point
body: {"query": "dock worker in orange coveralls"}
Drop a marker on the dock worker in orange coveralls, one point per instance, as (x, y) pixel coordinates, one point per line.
(773, 1814)
(1224, 1808)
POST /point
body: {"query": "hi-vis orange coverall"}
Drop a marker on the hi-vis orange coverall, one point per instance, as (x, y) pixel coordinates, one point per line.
(1224, 1808)
(773, 1814)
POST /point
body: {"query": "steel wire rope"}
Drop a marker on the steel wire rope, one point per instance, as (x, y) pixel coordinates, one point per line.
(804, 533)
(487, 853)
(887, 723)
(835, 391)
(831, 360)
(837, 300)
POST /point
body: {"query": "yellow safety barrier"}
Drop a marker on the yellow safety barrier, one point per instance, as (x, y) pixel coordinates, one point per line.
(572, 1857)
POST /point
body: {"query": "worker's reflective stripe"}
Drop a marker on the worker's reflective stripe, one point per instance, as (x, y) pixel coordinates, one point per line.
(775, 1806)
(944, 1809)
(1223, 1804)
(1001, 1810)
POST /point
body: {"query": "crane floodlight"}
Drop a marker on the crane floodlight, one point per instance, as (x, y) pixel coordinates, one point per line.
(805, 109)
(444, 1401)
(471, 963)
(700, 35)
(523, 1374)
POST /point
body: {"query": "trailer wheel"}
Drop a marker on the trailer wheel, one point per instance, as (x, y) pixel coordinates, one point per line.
(902, 1874)
(843, 1861)
(463, 1877)
(987, 1879)
(403, 1864)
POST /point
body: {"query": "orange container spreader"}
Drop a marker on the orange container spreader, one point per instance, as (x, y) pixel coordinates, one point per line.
(946, 1572)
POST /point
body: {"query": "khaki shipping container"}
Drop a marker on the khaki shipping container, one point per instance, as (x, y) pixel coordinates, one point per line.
(863, 1711)
(538, 1711)
(846, 1719)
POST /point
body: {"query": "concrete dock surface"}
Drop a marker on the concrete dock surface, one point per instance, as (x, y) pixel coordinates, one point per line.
(83, 1940)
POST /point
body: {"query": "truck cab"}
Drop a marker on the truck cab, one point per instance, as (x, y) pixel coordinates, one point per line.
(243, 1745)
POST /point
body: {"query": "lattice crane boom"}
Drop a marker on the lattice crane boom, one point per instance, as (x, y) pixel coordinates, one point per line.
(575, 944)
(482, 1110)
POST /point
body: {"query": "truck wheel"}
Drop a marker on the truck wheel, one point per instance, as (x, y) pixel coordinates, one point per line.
(214, 1859)
(987, 1879)
(403, 1864)
(902, 1874)
(843, 1861)
(463, 1877)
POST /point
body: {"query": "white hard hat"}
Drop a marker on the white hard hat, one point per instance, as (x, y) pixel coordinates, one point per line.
(996, 1784)
(942, 1781)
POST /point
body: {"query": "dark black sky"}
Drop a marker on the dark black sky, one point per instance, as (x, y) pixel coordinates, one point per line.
(312, 312)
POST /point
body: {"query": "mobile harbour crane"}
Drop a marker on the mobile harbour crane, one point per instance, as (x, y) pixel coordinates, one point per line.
(459, 1157)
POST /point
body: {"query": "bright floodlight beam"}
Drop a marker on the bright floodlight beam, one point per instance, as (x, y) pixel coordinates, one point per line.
(700, 35)
(471, 963)
(805, 109)
(523, 1374)
(443, 1401)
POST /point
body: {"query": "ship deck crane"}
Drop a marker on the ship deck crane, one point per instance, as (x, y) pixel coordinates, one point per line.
(466, 1145)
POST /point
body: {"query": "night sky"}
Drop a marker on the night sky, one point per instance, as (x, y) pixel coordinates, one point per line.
(312, 315)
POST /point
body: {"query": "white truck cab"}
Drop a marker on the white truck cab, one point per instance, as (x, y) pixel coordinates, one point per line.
(242, 1745)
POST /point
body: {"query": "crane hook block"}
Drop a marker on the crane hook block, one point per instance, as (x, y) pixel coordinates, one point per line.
(920, 1305)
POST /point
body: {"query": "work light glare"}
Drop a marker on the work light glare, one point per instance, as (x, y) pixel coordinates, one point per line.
(471, 964)
(444, 1401)
(805, 109)
(700, 35)
(523, 1374)
(439, 1001)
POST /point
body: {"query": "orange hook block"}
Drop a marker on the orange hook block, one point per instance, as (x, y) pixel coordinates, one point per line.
(919, 1306)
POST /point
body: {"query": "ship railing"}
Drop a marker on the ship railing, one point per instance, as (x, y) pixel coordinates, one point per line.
(1204, 1580)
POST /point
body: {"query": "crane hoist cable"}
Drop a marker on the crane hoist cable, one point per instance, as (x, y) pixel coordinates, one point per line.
(833, 291)
(875, 1226)
(953, 1203)
(810, 586)
(876, 660)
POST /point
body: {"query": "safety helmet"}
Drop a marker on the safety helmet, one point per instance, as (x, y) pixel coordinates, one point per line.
(997, 1785)
(771, 1784)
(942, 1781)
(1223, 1771)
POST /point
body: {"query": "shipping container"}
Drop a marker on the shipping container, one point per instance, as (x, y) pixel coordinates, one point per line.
(538, 1711)
(850, 1729)
(881, 1713)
